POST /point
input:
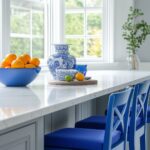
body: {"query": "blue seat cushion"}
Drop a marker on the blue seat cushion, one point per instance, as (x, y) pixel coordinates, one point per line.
(97, 122)
(77, 138)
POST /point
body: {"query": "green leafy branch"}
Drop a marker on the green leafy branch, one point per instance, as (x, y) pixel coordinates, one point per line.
(135, 31)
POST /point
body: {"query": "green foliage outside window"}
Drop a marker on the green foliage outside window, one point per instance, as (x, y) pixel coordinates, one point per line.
(74, 3)
(94, 21)
(74, 24)
(20, 21)
(38, 48)
(94, 3)
(38, 23)
(76, 47)
(95, 47)
(20, 45)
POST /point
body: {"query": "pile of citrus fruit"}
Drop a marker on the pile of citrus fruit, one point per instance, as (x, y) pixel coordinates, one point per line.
(22, 61)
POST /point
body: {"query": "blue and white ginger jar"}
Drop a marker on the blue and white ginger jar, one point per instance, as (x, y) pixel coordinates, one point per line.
(61, 60)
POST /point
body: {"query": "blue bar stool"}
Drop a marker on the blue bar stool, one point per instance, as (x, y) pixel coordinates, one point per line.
(137, 120)
(148, 127)
(139, 107)
(92, 139)
(148, 114)
(148, 111)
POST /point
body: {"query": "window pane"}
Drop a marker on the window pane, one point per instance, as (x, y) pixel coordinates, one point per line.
(74, 3)
(95, 47)
(38, 48)
(76, 47)
(20, 46)
(94, 21)
(20, 21)
(38, 23)
(27, 27)
(74, 24)
(93, 3)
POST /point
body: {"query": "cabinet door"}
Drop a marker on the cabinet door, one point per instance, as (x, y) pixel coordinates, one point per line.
(20, 139)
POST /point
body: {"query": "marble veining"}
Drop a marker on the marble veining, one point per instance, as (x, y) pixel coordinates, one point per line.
(18, 105)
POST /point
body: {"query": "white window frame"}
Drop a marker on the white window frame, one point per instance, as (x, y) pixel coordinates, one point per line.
(54, 21)
(56, 30)
(107, 35)
(4, 27)
(85, 36)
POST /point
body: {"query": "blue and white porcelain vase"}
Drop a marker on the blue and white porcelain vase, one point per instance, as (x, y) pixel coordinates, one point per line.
(61, 60)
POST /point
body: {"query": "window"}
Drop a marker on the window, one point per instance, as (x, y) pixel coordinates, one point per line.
(84, 28)
(33, 26)
(27, 27)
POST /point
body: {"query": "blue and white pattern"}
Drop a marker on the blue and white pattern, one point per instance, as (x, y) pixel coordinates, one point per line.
(61, 48)
(61, 60)
(61, 73)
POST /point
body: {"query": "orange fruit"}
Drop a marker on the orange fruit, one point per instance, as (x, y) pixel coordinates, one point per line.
(10, 58)
(30, 66)
(26, 58)
(7, 67)
(20, 58)
(79, 76)
(35, 61)
(18, 63)
(4, 64)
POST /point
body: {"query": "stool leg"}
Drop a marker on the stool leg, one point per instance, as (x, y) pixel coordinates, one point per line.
(148, 136)
(132, 143)
(143, 142)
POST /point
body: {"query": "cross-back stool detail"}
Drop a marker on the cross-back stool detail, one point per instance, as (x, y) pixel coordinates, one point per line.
(118, 119)
(139, 110)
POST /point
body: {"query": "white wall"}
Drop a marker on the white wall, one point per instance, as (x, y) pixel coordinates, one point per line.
(121, 11)
(144, 51)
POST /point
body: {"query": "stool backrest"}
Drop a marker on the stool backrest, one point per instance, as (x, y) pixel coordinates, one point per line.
(118, 119)
(139, 107)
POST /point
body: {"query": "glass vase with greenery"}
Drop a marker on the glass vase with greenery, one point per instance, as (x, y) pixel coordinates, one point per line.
(135, 31)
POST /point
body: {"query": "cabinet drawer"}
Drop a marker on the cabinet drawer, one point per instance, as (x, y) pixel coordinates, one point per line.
(19, 139)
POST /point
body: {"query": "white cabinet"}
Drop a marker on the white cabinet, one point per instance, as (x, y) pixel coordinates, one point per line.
(19, 139)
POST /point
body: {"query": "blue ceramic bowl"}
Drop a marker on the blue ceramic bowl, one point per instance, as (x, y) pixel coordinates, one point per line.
(81, 68)
(61, 73)
(18, 77)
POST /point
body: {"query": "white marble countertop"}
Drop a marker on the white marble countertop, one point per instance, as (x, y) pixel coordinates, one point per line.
(18, 105)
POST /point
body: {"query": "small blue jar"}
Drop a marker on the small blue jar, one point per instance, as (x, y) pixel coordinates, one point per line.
(61, 59)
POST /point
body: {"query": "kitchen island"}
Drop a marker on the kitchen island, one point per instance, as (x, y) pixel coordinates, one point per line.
(26, 113)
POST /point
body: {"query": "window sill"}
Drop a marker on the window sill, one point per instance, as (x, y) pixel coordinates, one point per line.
(109, 66)
(100, 66)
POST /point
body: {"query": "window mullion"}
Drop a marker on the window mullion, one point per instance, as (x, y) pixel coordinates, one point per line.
(31, 38)
(4, 27)
(46, 30)
(74, 36)
(85, 30)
